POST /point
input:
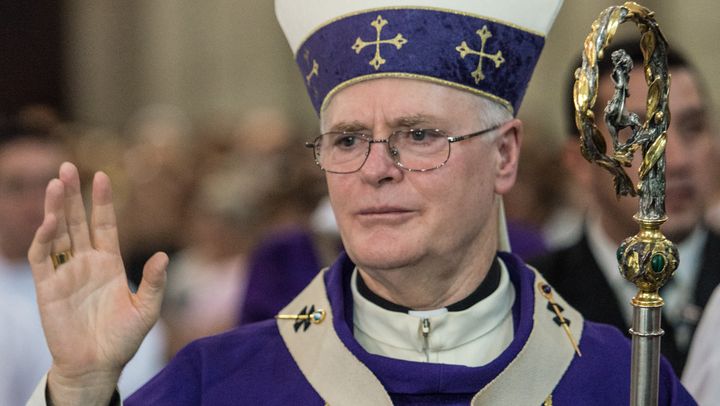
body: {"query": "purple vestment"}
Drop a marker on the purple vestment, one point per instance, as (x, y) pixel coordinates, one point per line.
(279, 268)
(251, 364)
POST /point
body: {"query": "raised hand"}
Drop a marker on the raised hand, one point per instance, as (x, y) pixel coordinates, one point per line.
(93, 323)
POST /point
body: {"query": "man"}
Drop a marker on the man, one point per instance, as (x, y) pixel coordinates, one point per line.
(422, 308)
(586, 273)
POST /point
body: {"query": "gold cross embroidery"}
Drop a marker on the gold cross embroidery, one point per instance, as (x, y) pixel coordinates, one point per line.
(378, 60)
(464, 49)
(313, 72)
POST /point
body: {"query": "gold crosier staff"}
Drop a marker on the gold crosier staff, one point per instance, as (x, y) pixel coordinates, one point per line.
(647, 259)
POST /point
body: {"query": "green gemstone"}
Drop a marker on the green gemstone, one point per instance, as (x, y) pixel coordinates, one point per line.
(658, 263)
(619, 253)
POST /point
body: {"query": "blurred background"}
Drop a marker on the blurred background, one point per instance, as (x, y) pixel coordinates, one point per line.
(100, 61)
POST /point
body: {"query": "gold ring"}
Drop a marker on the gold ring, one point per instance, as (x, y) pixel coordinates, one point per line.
(60, 258)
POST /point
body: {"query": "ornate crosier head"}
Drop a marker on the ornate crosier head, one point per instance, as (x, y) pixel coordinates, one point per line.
(647, 259)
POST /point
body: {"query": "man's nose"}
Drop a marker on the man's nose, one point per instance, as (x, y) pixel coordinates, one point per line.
(380, 163)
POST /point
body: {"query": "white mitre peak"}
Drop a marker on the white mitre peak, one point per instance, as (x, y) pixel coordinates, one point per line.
(300, 18)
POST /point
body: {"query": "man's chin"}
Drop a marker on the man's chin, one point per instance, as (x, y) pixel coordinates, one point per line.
(382, 259)
(679, 227)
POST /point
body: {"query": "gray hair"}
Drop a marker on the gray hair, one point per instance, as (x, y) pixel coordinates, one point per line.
(492, 113)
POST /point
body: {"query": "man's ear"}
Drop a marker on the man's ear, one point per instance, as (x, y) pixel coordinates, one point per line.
(508, 142)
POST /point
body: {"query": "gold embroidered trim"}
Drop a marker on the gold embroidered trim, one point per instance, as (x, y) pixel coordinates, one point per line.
(426, 78)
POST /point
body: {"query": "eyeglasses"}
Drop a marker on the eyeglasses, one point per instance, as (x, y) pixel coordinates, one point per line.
(414, 150)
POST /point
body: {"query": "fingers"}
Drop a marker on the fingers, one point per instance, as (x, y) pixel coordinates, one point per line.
(75, 215)
(52, 234)
(152, 285)
(41, 248)
(104, 222)
(65, 226)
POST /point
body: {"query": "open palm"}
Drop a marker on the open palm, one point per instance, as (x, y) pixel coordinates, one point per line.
(93, 323)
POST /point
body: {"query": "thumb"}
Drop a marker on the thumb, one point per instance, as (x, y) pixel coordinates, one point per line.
(152, 285)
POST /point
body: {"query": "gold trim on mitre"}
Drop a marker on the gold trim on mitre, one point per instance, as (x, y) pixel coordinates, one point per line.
(426, 78)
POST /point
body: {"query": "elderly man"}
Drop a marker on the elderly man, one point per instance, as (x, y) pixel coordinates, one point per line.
(419, 143)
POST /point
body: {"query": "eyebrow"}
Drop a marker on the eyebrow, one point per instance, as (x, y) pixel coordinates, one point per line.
(351, 126)
(403, 121)
(691, 113)
(413, 121)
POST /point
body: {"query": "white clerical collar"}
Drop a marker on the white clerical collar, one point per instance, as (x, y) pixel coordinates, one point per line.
(472, 337)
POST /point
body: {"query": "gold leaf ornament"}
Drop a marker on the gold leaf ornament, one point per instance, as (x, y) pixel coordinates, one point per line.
(653, 154)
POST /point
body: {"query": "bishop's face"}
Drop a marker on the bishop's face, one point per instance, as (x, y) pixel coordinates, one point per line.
(390, 218)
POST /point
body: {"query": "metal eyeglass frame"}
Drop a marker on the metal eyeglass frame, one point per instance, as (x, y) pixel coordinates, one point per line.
(394, 154)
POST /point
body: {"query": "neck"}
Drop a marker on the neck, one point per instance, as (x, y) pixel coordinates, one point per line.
(485, 289)
(617, 231)
(434, 285)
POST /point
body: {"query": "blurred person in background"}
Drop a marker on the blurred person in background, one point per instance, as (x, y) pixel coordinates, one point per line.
(20, 360)
(702, 370)
(548, 198)
(27, 162)
(159, 176)
(586, 273)
(712, 217)
(537, 192)
(208, 277)
(302, 239)
(263, 132)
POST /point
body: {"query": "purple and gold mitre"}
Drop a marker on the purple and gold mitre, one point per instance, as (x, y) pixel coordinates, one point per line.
(486, 47)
